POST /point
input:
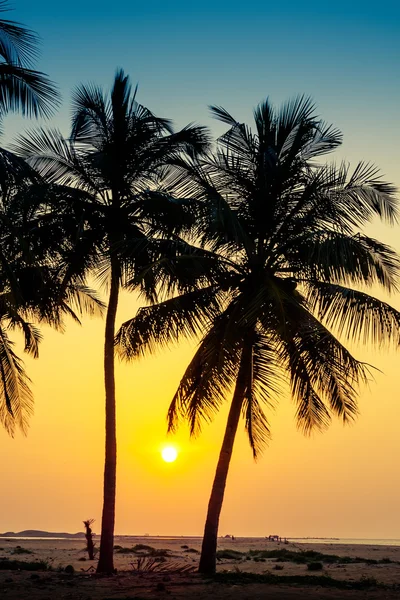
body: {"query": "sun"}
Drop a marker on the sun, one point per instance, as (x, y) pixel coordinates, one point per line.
(169, 454)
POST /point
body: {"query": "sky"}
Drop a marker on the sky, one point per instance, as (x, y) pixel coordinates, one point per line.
(343, 483)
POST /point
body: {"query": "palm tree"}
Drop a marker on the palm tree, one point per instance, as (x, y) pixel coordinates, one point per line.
(22, 88)
(291, 269)
(114, 163)
(32, 287)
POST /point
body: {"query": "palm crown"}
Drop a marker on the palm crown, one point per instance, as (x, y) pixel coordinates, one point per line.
(290, 261)
(32, 287)
(114, 163)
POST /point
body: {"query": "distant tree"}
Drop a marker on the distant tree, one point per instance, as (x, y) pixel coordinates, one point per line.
(89, 538)
(116, 158)
(291, 270)
(22, 89)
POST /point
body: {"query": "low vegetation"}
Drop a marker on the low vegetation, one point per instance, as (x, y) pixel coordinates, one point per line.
(146, 564)
(21, 550)
(306, 557)
(230, 554)
(143, 550)
(7, 564)
(239, 578)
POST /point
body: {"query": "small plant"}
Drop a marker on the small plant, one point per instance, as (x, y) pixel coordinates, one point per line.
(144, 550)
(229, 554)
(69, 569)
(368, 581)
(140, 547)
(146, 564)
(21, 550)
(89, 538)
(315, 566)
(191, 550)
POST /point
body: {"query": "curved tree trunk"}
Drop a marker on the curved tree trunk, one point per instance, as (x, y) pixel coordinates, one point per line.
(209, 546)
(106, 557)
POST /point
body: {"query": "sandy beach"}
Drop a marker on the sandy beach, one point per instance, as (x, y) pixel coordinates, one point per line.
(381, 579)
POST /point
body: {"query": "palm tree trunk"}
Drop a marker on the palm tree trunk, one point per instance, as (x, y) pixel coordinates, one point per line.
(106, 557)
(209, 547)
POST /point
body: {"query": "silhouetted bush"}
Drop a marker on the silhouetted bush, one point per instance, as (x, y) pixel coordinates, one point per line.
(315, 566)
(21, 550)
(7, 564)
(243, 578)
(230, 554)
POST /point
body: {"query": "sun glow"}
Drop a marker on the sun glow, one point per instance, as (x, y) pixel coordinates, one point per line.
(169, 454)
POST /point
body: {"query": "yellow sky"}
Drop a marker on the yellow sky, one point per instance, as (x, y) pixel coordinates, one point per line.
(342, 483)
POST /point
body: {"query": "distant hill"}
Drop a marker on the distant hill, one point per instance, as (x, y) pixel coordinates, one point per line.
(38, 533)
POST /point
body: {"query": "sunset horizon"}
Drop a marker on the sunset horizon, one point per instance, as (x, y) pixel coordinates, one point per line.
(200, 266)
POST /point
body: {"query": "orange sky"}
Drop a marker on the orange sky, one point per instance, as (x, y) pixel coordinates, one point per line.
(343, 483)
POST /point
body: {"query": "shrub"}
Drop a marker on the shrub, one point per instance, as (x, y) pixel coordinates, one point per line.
(19, 565)
(315, 566)
(69, 569)
(21, 550)
(229, 554)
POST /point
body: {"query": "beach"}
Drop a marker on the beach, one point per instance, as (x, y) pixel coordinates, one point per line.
(376, 574)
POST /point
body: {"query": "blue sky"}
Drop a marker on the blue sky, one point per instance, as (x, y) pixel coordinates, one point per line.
(186, 56)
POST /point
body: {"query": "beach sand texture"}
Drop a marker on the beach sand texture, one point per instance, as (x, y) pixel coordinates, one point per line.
(56, 584)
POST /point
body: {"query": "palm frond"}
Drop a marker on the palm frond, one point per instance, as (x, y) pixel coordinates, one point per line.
(27, 91)
(355, 315)
(158, 325)
(338, 257)
(16, 401)
(18, 45)
(90, 116)
(31, 333)
(85, 300)
(209, 377)
(265, 379)
(54, 158)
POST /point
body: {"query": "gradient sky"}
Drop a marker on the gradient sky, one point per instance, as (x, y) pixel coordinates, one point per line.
(344, 483)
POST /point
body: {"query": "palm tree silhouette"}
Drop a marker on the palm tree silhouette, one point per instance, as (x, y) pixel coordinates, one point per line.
(22, 88)
(289, 267)
(114, 163)
(32, 286)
